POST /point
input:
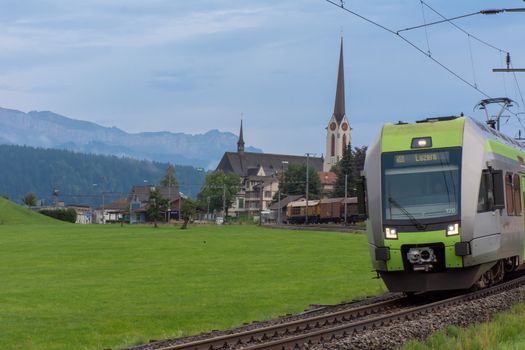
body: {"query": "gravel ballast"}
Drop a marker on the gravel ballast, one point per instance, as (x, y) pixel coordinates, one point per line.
(399, 332)
(314, 310)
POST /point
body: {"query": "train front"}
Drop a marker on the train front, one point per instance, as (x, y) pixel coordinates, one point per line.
(413, 177)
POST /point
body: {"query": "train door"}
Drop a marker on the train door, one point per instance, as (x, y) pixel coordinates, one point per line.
(522, 177)
(490, 200)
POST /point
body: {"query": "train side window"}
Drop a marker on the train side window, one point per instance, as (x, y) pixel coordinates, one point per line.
(509, 194)
(485, 192)
(517, 197)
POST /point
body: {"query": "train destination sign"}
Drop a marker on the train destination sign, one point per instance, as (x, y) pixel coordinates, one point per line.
(421, 158)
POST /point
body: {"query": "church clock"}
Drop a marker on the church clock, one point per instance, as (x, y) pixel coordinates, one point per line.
(332, 126)
(344, 126)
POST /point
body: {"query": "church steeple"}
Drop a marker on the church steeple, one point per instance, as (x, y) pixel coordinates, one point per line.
(338, 130)
(339, 108)
(240, 143)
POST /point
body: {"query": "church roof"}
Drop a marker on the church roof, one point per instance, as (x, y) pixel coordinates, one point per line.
(246, 163)
(339, 107)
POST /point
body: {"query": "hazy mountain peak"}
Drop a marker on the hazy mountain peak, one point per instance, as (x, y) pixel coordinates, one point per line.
(51, 130)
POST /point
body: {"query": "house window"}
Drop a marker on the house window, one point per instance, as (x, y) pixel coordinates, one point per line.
(296, 211)
(241, 203)
(268, 194)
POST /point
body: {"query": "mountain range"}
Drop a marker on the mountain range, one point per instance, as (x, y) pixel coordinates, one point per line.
(50, 130)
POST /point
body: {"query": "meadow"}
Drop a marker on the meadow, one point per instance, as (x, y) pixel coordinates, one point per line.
(504, 332)
(66, 286)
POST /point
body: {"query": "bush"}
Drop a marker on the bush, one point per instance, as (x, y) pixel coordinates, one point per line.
(69, 215)
(242, 220)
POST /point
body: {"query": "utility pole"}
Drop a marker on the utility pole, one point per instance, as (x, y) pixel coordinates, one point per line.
(283, 162)
(261, 187)
(169, 200)
(346, 197)
(180, 203)
(224, 201)
(279, 207)
(307, 185)
(208, 214)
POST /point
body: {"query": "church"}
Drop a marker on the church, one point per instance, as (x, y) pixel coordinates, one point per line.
(260, 172)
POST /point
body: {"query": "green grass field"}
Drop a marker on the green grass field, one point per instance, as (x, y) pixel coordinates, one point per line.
(504, 332)
(66, 286)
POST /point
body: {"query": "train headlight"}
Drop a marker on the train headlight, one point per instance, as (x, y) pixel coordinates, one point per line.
(390, 233)
(453, 230)
(421, 142)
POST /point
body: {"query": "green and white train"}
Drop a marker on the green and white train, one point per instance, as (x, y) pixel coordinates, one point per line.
(444, 201)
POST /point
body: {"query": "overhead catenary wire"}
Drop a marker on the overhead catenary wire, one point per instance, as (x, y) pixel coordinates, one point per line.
(501, 61)
(463, 30)
(396, 33)
(470, 35)
(438, 22)
(472, 61)
(426, 30)
(519, 89)
(450, 20)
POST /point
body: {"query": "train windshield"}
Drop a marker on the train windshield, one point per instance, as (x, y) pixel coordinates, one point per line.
(421, 185)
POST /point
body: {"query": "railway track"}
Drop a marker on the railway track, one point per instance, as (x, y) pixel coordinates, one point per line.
(319, 227)
(305, 332)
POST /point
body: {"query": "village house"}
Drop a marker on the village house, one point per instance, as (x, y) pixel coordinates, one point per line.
(260, 172)
(133, 208)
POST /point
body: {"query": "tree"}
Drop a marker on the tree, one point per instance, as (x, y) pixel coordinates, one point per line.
(157, 205)
(359, 156)
(169, 180)
(350, 164)
(221, 189)
(294, 181)
(29, 199)
(188, 210)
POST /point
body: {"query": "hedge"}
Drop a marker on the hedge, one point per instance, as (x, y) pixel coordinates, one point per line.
(69, 214)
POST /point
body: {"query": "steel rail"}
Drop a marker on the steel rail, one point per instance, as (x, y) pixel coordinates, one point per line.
(301, 341)
(288, 328)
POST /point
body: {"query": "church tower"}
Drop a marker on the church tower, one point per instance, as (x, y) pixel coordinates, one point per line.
(338, 129)
(240, 143)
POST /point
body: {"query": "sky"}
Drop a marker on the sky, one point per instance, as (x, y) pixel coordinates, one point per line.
(192, 66)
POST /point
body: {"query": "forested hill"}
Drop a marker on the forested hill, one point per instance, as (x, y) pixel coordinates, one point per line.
(82, 178)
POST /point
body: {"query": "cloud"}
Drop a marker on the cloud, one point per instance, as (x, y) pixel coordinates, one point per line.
(113, 30)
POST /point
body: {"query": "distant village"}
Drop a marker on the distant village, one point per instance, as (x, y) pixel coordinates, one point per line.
(260, 194)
